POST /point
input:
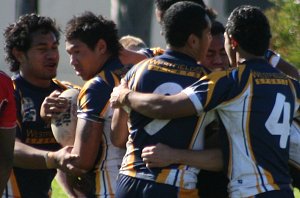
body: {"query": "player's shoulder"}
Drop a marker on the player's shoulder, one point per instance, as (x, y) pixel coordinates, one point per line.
(4, 78)
(65, 84)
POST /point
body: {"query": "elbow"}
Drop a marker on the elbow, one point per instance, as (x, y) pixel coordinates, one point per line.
(119, 144)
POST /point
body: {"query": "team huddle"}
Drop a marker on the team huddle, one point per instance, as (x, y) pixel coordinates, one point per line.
(214, 115)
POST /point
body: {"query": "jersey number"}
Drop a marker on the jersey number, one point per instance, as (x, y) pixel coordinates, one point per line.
(166, 88)
(276, 125)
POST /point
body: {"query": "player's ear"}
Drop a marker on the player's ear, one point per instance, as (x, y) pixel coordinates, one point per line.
(233, 42)
(101, 46)
(193, 40)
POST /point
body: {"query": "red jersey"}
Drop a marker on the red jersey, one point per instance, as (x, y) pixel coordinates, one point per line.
(7, 102)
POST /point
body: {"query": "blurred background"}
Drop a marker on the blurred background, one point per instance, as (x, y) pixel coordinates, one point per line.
(137, 18)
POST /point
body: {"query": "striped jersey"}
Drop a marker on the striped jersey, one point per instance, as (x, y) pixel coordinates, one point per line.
(165, 74)
(256, 104)
(93, 105)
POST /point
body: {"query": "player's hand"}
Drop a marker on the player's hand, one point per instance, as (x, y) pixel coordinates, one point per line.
(159, 155)
(119, 94)
(53, 105)
(64, 160)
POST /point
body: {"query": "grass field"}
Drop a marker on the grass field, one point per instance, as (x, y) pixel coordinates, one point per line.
(58, 193)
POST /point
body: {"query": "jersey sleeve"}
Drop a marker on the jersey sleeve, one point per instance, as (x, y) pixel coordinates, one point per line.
(93, 100)
(211, 90)
(7, 103)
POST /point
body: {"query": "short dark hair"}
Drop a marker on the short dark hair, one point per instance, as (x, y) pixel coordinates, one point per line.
(163, 5)
(19, 35)
(89, 28)
(250, 27)
(181, 20)
(217, 28)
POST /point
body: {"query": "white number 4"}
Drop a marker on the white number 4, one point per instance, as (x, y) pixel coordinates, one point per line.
(281, 108)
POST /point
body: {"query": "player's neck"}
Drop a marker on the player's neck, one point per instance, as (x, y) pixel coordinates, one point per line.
(242, 56)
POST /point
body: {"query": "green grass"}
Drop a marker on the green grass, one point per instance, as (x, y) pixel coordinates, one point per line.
(57, 192)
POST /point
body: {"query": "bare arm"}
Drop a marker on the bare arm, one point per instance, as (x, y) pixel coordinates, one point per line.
(119, 129)
(7, 139)
(130, 57)
(153, 105)
(162, 155)
(87, 142)
(288, 69)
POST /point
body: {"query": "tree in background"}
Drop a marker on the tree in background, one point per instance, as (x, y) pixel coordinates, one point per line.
(284, 19)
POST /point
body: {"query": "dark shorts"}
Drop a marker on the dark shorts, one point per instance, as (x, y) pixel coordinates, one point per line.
(129, 187)
(276, 194)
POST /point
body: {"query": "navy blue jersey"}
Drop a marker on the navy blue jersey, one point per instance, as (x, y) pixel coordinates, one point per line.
(93, 105)
(256, 104)
(165, 74)
(33, 131)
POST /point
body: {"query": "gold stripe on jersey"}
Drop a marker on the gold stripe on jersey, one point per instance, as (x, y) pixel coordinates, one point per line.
(163, 175)
(197, 128)
(138, 74)
(187, 193)
(40, 141)
(241, 71)
(211, 83)
(172, 70)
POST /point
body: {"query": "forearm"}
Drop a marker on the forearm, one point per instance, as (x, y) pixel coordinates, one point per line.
(119, 130)
(7, 138)
(160, 106)
(28, 157)
(210, 159)
(87, 142)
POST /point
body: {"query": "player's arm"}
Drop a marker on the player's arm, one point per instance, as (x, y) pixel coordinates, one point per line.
(87, 142)
(288, 69)
(162, 155)
(7, 138)
(278, 62)
(130, 57)
(153, 105)
(119, 129)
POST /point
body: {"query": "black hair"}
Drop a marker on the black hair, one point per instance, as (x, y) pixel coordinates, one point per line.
(19, 35)
(217, 28)
(89, 28)
(250, 28)
(181, 20)
(163, 5)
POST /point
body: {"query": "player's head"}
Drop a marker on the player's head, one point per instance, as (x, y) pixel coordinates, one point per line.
(21, 37)
(31, 45)
(186, 24)
(216, 57)
(132, 43)
(249, 29)
(90, 41)
(163, 5)
(89, 29)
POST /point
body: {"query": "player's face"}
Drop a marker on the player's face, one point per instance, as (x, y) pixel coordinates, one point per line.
(40, 62)
(216, 57)
(230, 52)
(85, 61)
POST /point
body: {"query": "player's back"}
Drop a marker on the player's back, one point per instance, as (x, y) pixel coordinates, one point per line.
(256, 104)
(165, 74)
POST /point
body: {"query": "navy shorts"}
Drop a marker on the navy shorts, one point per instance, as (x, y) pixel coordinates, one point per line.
(129, 187)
